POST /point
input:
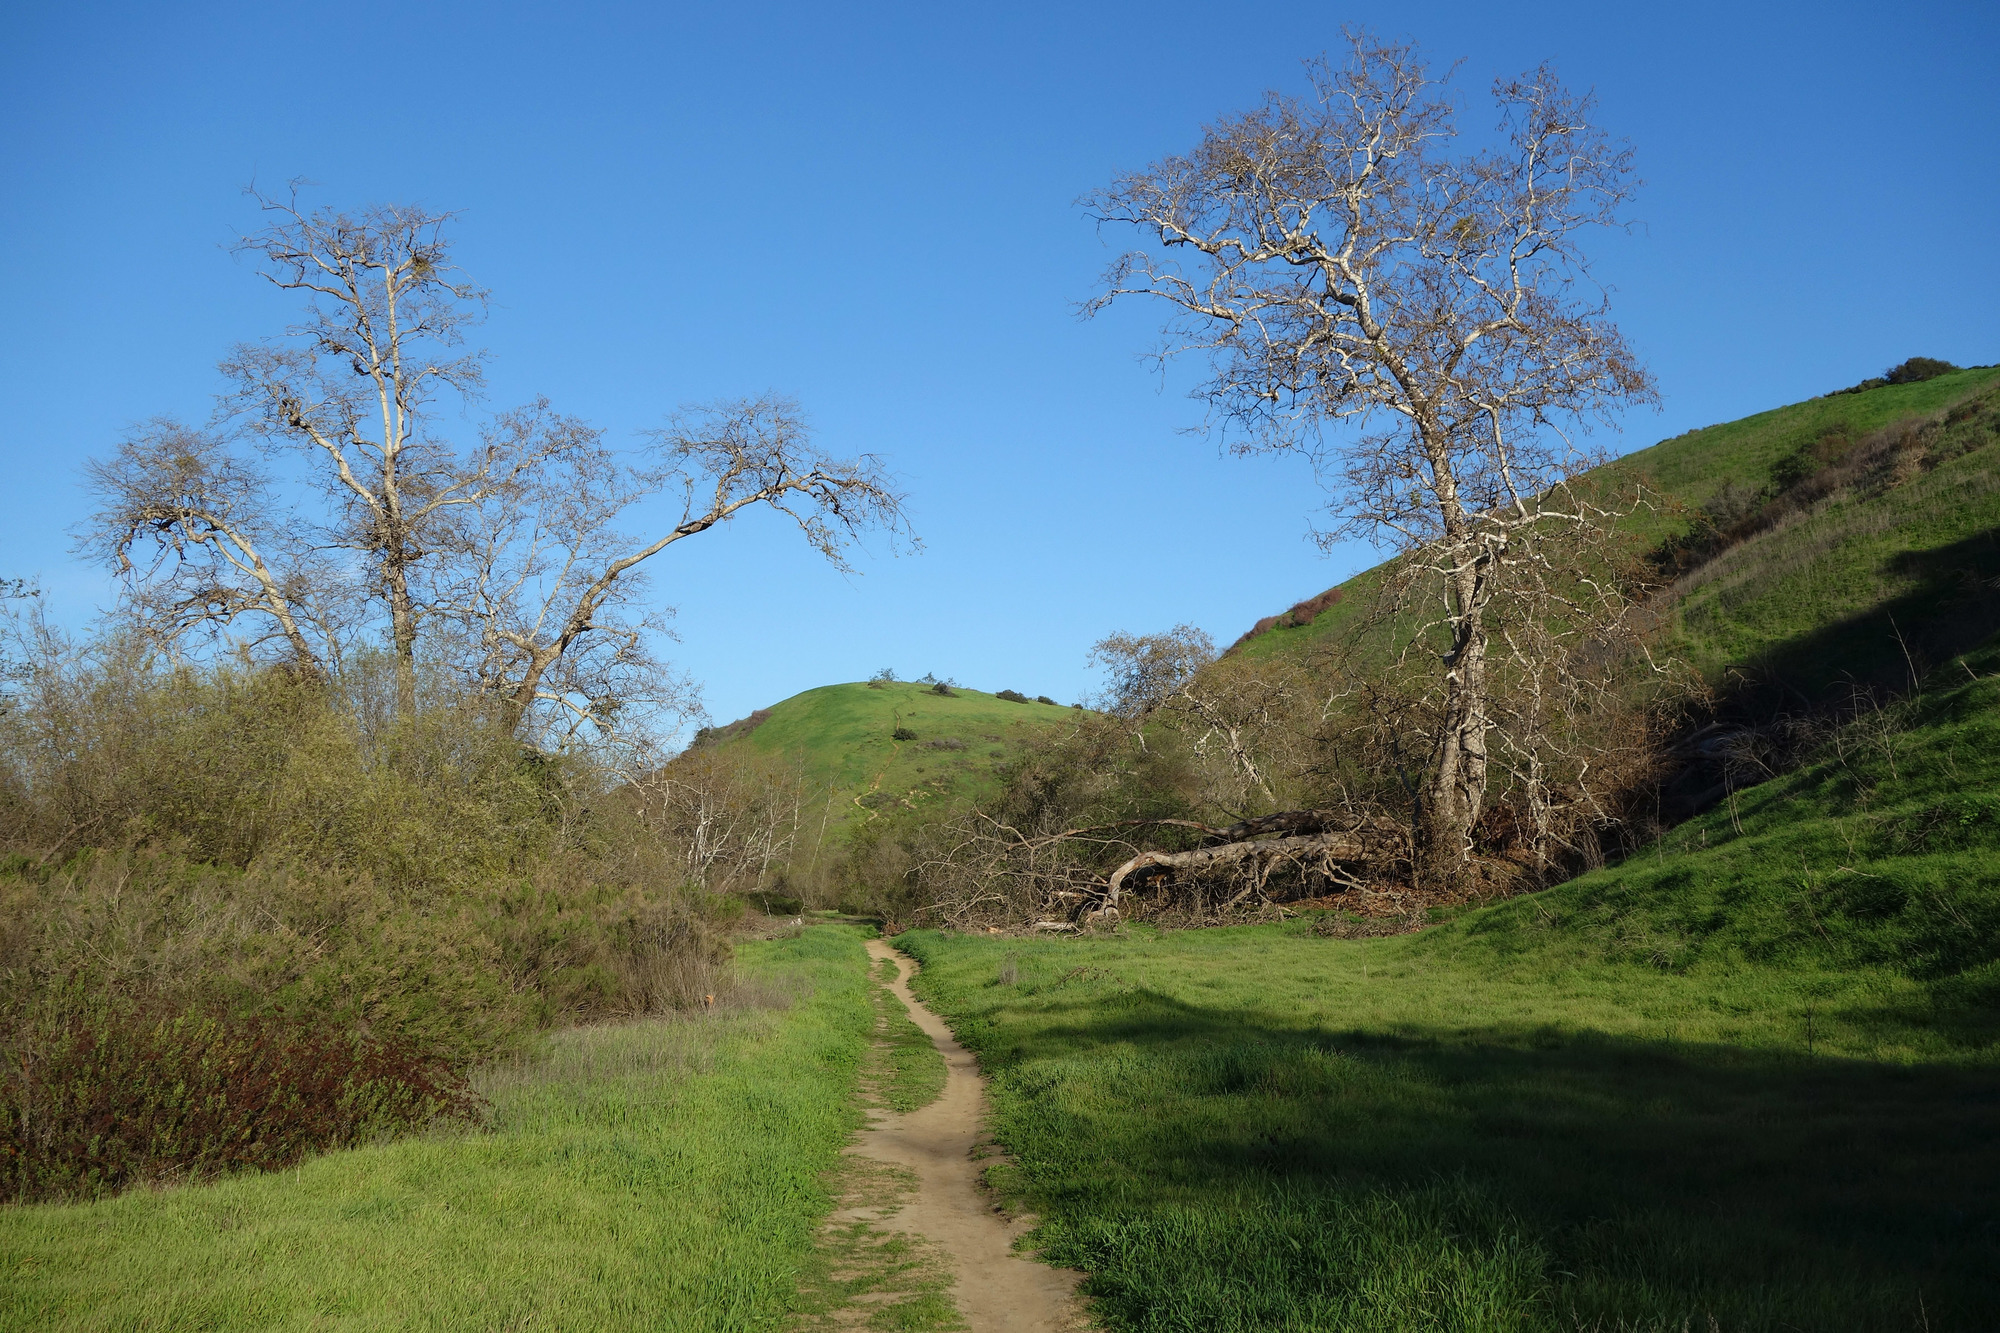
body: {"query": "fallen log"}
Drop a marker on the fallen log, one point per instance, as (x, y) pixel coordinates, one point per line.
(1314, 836)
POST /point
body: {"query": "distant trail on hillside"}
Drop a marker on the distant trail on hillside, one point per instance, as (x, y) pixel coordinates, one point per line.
(997, 1290)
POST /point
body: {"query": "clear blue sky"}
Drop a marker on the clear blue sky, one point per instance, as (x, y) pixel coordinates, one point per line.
(871, 207)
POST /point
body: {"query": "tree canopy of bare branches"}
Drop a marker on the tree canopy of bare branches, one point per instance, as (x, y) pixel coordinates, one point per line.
(1420, 321)
(331, 496)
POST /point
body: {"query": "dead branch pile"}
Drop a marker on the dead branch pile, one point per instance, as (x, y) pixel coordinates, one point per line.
(1059, 880)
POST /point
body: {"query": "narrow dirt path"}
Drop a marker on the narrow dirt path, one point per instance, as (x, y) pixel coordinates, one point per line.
(997, 1291)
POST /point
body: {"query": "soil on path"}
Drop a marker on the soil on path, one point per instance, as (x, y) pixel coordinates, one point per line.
(997, 1290)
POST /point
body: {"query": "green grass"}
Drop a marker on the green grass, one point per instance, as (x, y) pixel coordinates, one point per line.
(1692, 466)
(860, 1268)
(1842, 573)
(844, 736)
(1749, 1076)
(657, 1175)
(909, 1073)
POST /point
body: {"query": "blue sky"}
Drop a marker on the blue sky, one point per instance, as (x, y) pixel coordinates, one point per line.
(871, 207)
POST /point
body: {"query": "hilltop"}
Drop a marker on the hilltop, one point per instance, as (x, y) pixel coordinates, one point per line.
(882, 746)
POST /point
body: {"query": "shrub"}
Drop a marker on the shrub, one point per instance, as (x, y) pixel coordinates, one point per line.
(1914, 371)
(903, 734)
(93, 1102)
(1918, 369)
(282, 879)
(942, 688)
(1044, 699)
(1013, 697)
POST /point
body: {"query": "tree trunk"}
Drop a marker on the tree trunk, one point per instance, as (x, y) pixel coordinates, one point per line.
(403, 639)
(1455, 791)
(1313, 835)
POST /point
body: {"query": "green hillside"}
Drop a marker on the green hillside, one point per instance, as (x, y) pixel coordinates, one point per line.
(1811, 599)
(846, 737)
(1744, 1080)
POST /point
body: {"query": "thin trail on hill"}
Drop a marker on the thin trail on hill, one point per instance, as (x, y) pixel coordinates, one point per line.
(996, 1290)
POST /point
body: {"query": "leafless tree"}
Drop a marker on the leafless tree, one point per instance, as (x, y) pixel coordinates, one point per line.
(354, 388)
(506, 560)
(731, 816)
(1353, 276)
(190, 526)
(1225, 708)
(548, 577)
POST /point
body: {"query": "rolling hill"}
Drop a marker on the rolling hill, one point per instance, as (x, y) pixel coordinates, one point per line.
(894, 745)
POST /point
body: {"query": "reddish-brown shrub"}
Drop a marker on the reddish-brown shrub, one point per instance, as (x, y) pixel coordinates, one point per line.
(1301, 613)
(98, 1102)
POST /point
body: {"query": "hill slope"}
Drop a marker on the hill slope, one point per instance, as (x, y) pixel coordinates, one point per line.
(1744, 1080)
(1809, 597)
(846, 736)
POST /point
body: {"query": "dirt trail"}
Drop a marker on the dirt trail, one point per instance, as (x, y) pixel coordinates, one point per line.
(997, 1291)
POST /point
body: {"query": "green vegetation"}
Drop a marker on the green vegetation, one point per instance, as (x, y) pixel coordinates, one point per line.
(1739, 460)
(907, 1072)
(233, 860)
(1746, 1076)
(663, 1174)
(845, 737)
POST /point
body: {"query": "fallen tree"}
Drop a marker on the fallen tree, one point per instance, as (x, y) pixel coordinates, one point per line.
(1059, 880)
(1338, 847)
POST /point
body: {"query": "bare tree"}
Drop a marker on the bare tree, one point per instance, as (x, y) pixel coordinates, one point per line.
(190, 527)
(504, 560)
(549, 576)
(1350, 271)
(354, 385)
(1225, 708)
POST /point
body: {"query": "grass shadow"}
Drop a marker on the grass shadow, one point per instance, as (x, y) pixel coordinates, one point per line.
(1613, 1181)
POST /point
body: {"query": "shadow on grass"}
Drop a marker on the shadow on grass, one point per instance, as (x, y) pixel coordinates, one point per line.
(1950, 607)
(1600, 1181)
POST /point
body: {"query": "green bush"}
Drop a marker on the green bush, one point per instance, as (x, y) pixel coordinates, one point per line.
(1918, 369)
(241, 856)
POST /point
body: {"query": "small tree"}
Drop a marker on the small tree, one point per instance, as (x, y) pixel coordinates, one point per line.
(1349, 270)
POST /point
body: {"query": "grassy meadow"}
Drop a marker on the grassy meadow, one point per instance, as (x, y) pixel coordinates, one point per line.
(662, 1174)
(1749, 1077)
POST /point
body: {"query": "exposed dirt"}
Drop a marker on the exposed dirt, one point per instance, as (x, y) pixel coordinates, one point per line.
(995, 1289)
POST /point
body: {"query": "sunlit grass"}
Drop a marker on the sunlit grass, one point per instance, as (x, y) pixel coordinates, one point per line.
(1748, 1076)
(659, 1175)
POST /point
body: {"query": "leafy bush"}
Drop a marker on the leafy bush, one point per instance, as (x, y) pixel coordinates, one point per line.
(254, 865)
(1918, 369)
(903, 734)
(93, 1102)
(1013, 697)
(1914, 371)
